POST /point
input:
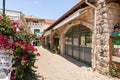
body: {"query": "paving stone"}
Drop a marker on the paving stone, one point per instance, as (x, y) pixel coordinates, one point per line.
(56, 67)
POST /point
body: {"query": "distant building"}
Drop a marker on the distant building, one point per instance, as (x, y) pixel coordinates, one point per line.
(38, 25)
(16, 16)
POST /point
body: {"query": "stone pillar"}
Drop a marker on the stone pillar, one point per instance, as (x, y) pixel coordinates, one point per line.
(51, 42)
(42, 41)
(62, 43)
(45, 41)
(102, 38)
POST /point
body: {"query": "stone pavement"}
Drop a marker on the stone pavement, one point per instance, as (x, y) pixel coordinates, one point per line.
(60, 67)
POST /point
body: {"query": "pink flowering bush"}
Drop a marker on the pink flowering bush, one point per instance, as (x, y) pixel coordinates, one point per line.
(18, 44)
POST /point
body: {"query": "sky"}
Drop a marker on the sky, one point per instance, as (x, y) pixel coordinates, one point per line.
(47, 9)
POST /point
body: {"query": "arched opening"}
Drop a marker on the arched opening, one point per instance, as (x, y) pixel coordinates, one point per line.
(78, 40)
(48, 42)
(56, 39)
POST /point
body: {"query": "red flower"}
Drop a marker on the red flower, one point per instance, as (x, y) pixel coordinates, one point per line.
(5, 40)
(1, 36)
(12, 77)
(9, 46)
(15, 24)
(19, 57)
(26, 61)
(25, 56)
(38, 54)
(1, 21)
(14, 30)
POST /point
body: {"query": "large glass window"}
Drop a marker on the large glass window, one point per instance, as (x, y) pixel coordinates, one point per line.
(78, 43)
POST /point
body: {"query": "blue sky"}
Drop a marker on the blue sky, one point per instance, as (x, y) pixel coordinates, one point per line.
(51, 9)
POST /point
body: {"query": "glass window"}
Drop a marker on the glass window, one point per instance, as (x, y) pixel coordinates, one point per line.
(66, 40)
(70, 40)
(75, 41)
(85, 39)
(82, 39)
(37, 31)
(89, 39)
(82, 43)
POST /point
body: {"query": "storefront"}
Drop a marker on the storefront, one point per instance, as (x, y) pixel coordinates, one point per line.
(85, 30)
(78, 43)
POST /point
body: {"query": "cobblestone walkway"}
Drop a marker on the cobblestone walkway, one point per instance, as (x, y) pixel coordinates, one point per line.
(56, 67)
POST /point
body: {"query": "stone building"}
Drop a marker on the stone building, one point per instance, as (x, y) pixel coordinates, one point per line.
(84, 32)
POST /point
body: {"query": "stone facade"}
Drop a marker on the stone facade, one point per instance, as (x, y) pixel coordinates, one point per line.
(85, 18)
(107, 15)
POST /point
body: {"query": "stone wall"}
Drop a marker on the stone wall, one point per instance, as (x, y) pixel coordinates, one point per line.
(101, 51)
(107, 16)
(113, 11)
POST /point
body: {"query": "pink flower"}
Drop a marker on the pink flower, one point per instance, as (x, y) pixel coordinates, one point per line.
(35, 49)
(15, 24)
(1, 17)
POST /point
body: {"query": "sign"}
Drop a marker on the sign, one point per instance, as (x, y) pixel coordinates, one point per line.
(5, 65)
(116, 49)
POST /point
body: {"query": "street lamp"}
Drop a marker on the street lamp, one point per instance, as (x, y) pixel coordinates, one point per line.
(3, 6)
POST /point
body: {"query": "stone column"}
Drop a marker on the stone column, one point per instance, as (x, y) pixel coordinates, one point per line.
(62, 43)
(45, 41)
(102, 38)
(42, 41)
(51, 41)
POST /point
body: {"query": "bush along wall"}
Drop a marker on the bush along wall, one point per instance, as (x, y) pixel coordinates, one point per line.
(16, 41)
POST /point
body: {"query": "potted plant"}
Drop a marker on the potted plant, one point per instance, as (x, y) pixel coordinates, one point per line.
(56, 49)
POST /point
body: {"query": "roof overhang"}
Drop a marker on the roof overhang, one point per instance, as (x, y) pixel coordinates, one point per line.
(81, 4)
(47, 33)
(66, 20)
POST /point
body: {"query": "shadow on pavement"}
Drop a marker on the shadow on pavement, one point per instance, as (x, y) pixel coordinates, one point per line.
(70, 59)
(40, 77)
(74, 61)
